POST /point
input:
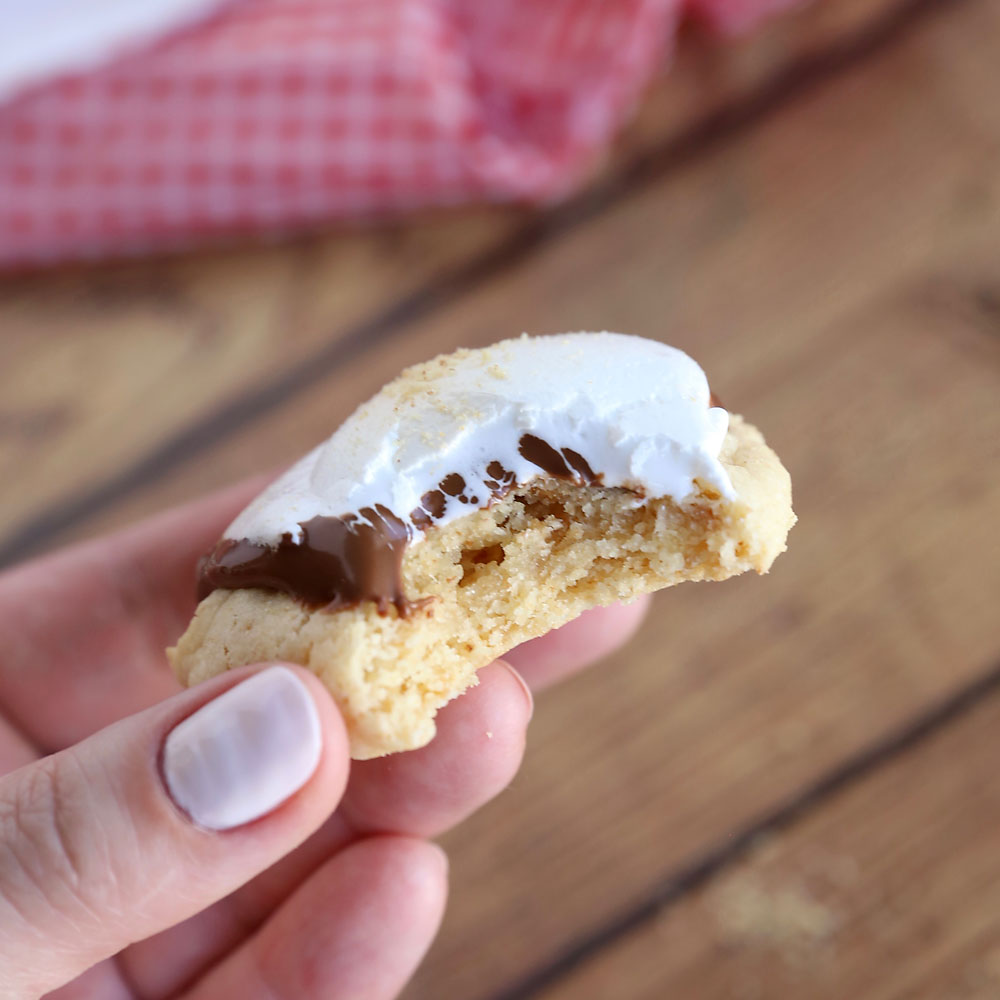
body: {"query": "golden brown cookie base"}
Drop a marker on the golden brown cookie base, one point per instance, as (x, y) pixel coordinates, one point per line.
(530, 563)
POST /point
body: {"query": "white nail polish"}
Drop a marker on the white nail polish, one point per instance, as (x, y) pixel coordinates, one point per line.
(244, 753)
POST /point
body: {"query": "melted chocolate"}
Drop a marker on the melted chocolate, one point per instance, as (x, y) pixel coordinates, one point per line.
(497, 471)
(580, 466)
(564, 463)
(342, 561)
(339, 562)
(501, 480)
(433, 502)
(453, 484)
(431, 509)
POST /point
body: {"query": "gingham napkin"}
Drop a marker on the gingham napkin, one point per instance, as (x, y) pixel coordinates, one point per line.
(129, 126)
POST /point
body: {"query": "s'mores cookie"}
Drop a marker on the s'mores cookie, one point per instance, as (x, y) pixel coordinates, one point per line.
(479, 500)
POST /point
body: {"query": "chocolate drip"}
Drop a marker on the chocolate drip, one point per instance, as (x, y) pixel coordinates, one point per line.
(431, 509)
(565, 463)
(433, 502)
(498, 472)
(501, 480)
(339, 562)
(580, 465)
(453, 484)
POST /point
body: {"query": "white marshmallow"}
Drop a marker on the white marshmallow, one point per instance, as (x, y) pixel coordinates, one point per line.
(637, 410)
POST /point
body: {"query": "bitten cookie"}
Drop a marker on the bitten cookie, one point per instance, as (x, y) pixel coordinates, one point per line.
(479, 500)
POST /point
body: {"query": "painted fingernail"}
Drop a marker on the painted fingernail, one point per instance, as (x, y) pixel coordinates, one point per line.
(243, 754)
(524, 687)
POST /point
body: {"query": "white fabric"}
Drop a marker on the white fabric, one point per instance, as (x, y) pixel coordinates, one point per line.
(44, 38)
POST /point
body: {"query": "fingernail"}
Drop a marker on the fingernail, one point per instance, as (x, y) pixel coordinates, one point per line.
(244, 753)
(524, 687)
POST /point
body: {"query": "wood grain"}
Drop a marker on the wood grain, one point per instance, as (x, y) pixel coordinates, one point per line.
(112, 375)
(771, 237)
(729, 701)
(891, 890)
(99, 367)
(706, 79)
(829, 269)
(838, 312)
(833, 263)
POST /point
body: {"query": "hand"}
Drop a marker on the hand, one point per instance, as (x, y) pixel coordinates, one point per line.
(326, 886)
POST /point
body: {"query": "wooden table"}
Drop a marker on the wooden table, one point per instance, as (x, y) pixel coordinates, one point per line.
(787, 787)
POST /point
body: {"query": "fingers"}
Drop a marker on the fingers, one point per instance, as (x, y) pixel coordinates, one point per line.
(476, 752)
(596, 633)
(355, 931)
(15, 750)
(159, 816)
(100, 982)
(85, 629)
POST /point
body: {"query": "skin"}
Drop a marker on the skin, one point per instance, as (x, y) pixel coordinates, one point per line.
(108, 891)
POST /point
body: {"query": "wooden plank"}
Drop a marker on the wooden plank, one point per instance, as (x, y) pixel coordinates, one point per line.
(731, 700)
(890, 890)
(832, 306)
(705, 77)
(718, 256)
(108, 373)
(829, 270)
(98, 366)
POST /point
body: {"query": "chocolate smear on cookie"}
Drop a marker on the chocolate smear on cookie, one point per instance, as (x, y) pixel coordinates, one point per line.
(337, 563)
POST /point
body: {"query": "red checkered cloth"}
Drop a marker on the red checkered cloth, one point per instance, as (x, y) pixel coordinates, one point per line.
(277, 114)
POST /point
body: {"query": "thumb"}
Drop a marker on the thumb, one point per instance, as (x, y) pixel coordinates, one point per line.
(154, 818)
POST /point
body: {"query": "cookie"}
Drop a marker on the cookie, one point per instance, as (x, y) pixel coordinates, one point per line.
(479, 500)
